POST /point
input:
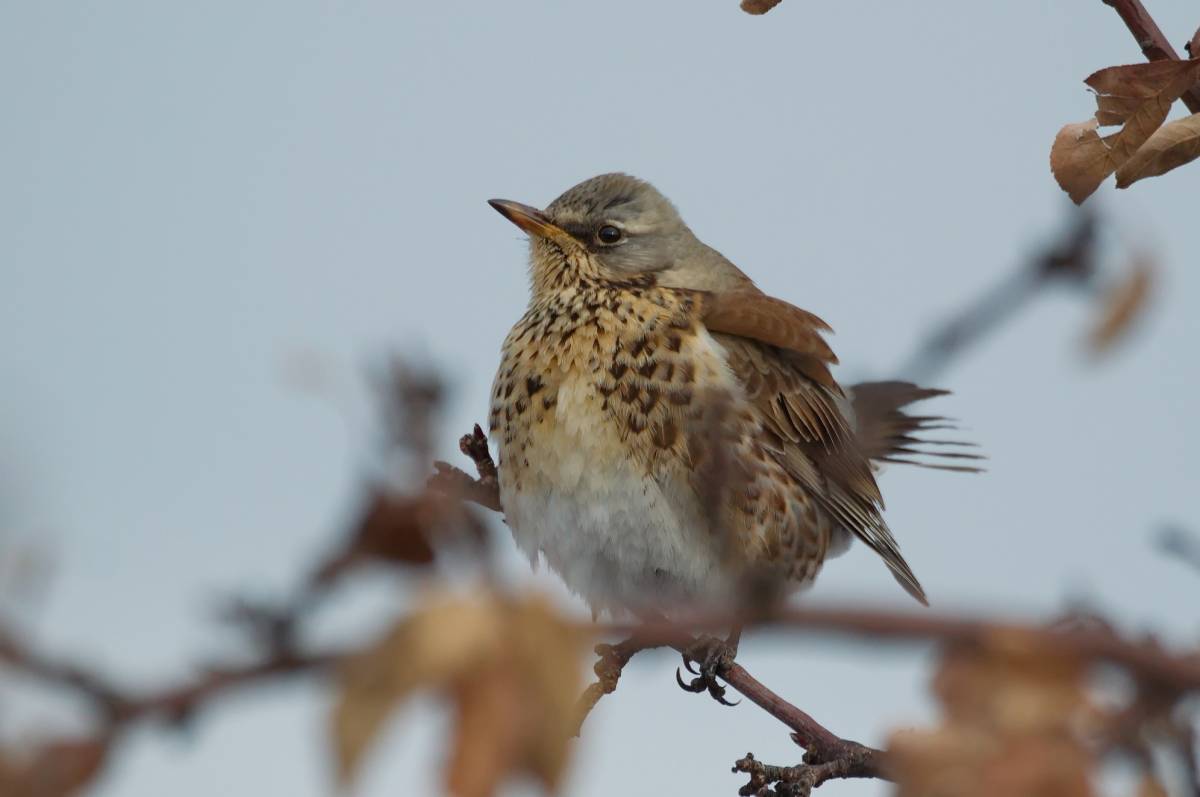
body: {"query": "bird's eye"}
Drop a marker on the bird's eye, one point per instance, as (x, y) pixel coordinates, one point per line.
(608, 234)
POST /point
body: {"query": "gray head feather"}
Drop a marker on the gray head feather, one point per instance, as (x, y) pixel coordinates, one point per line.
(653, 236)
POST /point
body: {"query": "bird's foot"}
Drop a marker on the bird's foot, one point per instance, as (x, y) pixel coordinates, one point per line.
(708, 658)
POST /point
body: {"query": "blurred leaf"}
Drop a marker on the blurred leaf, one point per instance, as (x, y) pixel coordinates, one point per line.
(393, 528)
(511, 668)
(1010, 685)
(1138, 97)
(1122, 307)
(1150, 787)
(1012, 714)
(56, 769)
(1170, 147)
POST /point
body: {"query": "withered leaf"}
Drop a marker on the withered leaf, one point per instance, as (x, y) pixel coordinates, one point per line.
(389, 528)
(1010, 684)
(1138, 97)
(1012, 714)
(1080, 159)
(56, 769)
(1171, 146)
(510, 666)
(1151, 787)
(758, 6)
(1122, 306)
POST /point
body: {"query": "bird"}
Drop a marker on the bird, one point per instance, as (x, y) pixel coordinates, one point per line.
(664, 427)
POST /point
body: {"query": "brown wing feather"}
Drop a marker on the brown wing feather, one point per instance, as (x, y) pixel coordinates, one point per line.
(749, 313)
(810, 436)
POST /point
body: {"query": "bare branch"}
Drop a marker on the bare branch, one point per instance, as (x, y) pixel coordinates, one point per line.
(608, 669)
(799, 781)
(174, 703)
(1072, 259)
(1155, 46)
(450, 480)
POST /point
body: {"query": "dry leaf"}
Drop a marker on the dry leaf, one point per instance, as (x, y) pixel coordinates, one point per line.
(1080, 159)
(758, 6)
(1138, 97)
(1013, 712)
(1150, 787)
(511, 668)
(1170, 147)
(1010, 685)
(1123, 306)
(56, 769)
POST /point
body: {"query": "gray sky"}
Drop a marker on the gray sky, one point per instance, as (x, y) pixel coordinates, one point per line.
(197, 197)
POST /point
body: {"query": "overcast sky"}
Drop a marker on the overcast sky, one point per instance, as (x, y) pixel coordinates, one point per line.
(196, 200)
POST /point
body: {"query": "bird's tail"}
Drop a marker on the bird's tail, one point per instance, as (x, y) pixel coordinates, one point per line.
(886, 433)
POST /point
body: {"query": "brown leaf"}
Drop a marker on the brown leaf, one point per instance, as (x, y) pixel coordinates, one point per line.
(511, 668)
(1123, 306)
(390, 528)
(1080, 159)
(1170, 147)
(492, 725)
(1012, 714)
(963, 761)
(1138, 97)
(758, 6)
(56, 769)
(1010, 685)
(1151, 787)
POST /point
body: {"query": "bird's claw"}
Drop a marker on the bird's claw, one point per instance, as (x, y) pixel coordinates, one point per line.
(707, 659)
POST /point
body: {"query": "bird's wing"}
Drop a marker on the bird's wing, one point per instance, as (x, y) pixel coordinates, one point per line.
(776, 352)
(750, 313)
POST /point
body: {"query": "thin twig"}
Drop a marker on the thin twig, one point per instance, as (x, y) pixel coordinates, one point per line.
(174, 703)
(799, 781)
(1155, 46)
(1180, 544)
(1071, 260)
(450, 480)
(608, 669)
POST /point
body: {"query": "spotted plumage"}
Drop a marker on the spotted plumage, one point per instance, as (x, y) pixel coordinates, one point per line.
(662, 425)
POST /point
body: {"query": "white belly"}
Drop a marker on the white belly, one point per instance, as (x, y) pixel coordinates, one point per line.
(618, 537)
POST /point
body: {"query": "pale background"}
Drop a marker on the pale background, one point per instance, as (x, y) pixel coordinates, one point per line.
(198, 199)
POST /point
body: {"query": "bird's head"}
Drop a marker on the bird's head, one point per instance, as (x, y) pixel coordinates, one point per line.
(610, 227)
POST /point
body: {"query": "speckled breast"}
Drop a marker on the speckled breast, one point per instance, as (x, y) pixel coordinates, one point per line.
(594, 392)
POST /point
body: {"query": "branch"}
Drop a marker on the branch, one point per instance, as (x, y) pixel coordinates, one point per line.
(1181, 544)
(1145, 658)
(176, 703)
(799, 781)
(1073, 259)
(1155, 46)
(450, 480)
(828, 755)
(608, 669)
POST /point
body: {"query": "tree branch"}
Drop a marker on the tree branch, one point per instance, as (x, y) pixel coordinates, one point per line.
(450, 480)
(176, 703)
(1155, 46)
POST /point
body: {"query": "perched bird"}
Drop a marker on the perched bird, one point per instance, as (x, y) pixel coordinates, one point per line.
(664, 426)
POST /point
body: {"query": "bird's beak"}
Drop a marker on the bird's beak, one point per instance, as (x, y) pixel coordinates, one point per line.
(531, 220)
